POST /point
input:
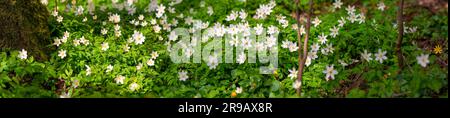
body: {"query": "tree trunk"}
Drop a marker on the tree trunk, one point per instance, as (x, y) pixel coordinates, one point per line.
(24, 25)
(400, 35)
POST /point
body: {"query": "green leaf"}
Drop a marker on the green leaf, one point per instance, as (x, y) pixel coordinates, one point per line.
(212, 94)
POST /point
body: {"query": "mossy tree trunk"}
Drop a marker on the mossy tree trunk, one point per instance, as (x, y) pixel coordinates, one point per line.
(24, 25)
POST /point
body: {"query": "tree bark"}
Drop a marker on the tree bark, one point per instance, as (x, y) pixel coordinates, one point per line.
(24, 25)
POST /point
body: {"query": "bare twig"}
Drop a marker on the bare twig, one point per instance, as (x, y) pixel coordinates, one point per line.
(400, 35)
(302, 58)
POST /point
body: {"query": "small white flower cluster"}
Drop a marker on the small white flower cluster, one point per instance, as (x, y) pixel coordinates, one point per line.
(213, 61)
(234, 15)
(183, 76)
(91, 7)
(241, 58)
(117, 31)
(315, 47)
(109, 68)
(292, 46)
(316, 22)
(334, 31)
(163, 22)
(115, 18)
(381, 6)
(423, 60)
(297, 84)
(82, 40)
(312, 54)
(282, 20)
(322, 40)
(88, 70)
(134, 86)
(343, 63)
(44, 2)
(173, 36)
(342, 22)
(131, 2)
(330, 72)
(293, 73)
(54, 13)
(271, 40)
(59, 41)
(160, 11)
(138, 38)
(104, 46)
(151, 61)
(353, 17)
(139, 66)
(84, 19)
(62, 54)
(79, 11)
(238, 90)
(65, 95)
(152, 6)
(127, 5)
(337, 4)
(59, 19)
(219, 30)
(408, 30)
(210, 11)
(380, 56)
(104, 31)
(199, 25)
(155, 27)
(119, 79)
(328, 49)
(23, 54)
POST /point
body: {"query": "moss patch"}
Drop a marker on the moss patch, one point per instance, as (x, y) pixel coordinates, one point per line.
(24, 25)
